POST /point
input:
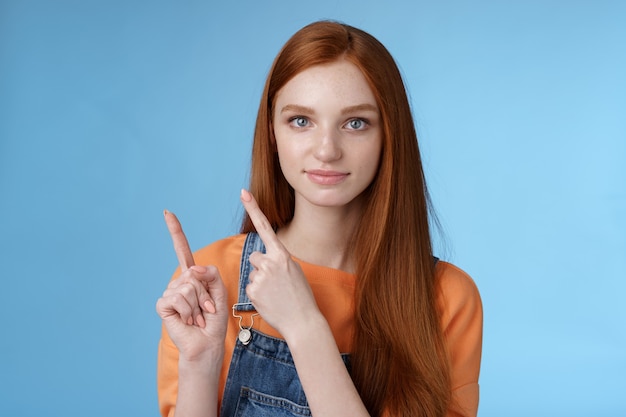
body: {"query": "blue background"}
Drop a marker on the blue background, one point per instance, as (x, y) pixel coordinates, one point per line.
(111, 111)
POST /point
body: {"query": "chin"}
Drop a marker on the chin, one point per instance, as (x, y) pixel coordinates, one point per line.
(331, 198)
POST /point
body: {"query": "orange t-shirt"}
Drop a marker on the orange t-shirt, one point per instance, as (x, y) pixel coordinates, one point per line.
(333, 290)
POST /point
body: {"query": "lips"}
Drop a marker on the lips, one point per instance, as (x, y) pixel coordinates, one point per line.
(326, 177)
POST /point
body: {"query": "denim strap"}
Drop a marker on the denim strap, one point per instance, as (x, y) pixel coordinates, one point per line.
(253, 243)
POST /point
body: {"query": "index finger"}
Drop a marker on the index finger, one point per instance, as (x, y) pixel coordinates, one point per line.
(260, 222)
(181, 246)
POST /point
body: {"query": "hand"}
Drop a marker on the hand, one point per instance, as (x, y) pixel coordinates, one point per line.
(193, 307)
(277, 289)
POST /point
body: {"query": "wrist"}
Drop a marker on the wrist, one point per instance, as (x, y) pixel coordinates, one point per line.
(306, 330)
(208, 363)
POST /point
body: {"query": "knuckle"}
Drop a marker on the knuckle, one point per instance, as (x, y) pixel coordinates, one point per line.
(199, 285)
(177, 299)
(186, 290)
(251, 292)
(180, 302)
(254, 257)
(253, 275)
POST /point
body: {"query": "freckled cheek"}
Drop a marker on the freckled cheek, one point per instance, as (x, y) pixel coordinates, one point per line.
(290, 158)
(291, 147)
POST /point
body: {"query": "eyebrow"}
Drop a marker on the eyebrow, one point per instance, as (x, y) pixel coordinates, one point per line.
(360, 107)
(297, 109)
(351, 109)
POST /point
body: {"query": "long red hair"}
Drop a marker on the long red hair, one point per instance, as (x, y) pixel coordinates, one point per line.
(399, 362)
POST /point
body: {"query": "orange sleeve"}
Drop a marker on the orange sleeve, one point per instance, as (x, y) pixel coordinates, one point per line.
(167, 375)
(462, 323)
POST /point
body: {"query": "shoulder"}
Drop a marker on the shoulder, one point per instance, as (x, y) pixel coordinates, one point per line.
(462, 324)
(458, 294)
(455, 284)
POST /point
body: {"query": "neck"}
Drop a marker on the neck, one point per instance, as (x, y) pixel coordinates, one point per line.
(321, 235)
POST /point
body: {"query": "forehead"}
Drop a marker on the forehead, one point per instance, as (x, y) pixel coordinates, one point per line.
(339, 81)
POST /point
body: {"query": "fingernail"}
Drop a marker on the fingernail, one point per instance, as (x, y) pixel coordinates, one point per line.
(245, 195)
(165, 212)
(199, 268)
(209, 306)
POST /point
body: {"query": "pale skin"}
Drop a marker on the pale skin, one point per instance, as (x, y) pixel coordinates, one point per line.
(195, 313)
(328, 137)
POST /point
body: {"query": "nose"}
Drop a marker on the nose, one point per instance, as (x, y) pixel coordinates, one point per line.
(328, 146)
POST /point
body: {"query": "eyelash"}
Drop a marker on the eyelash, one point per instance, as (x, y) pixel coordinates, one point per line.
(293, 121)
(364, 122)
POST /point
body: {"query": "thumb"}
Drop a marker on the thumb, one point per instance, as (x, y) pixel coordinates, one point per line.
(214, 298)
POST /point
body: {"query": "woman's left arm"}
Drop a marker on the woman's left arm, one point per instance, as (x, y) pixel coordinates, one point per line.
(283, 297)
(325, 378)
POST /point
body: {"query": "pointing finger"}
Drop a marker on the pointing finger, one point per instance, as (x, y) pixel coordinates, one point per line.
(260, 222)
(181, 246)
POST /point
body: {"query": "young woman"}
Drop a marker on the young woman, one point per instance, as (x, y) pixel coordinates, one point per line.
(330, 302)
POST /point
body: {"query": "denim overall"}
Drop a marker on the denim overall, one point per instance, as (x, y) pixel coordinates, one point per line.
(262, 379)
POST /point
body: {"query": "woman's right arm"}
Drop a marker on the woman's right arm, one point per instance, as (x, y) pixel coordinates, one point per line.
(198, 385)
(194, 313)
(179, 384)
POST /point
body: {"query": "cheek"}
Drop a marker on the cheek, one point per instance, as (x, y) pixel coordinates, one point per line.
(371, 155)
(371, 161)
(287, 156)
(290, 149)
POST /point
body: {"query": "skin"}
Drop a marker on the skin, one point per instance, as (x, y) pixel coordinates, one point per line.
(195, 313)
(326, 120)
(328, 139)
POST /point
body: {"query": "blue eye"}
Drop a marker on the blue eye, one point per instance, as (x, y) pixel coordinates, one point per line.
(356, 124)
(299, 121)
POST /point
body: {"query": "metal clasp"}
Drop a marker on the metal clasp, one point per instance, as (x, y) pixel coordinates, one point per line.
(245, 335)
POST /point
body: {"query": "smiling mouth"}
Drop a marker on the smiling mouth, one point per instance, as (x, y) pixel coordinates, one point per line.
(323, 177)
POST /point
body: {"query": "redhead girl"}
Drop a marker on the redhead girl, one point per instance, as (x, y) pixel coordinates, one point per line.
(330, 302)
